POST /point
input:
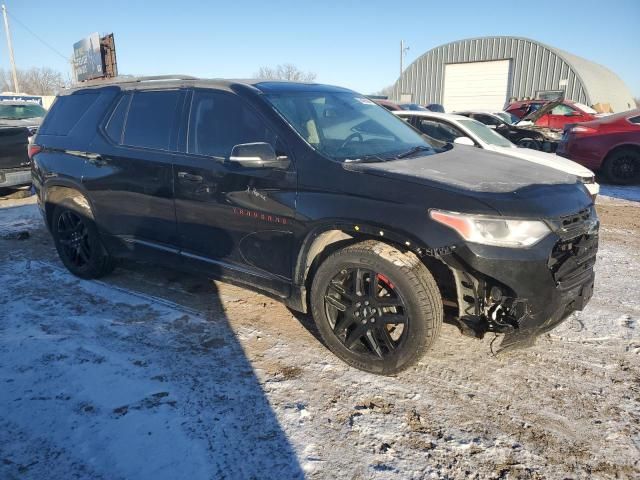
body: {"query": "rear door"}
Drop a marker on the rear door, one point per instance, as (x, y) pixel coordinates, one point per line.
(232, 218)
(131, 179)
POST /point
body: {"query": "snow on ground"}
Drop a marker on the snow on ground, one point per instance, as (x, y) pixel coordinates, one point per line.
(630, 193)
(155, 374)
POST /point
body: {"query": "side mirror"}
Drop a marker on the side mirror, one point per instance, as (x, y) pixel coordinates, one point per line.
(464, 141)
(257, 155)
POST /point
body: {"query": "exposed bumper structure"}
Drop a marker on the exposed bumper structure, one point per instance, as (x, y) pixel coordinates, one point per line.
(526, 292)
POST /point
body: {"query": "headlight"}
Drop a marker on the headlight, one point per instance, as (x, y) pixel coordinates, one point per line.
(496, 231)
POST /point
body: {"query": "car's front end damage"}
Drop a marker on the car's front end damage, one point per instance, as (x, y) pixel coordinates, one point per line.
(524, 292)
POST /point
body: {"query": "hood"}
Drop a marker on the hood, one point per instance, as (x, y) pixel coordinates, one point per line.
(547, 159)
(510, 185)
(546, 108)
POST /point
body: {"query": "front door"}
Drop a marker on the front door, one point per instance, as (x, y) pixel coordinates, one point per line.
(235, 219)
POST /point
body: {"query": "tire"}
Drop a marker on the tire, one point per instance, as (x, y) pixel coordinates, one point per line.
(622, 167)
(78, 243)
(404, 301)
(530, 143)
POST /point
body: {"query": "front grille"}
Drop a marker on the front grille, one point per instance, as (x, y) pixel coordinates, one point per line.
(573, 257)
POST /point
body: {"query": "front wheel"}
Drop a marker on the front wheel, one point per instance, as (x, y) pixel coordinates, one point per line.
(78, 243)
(376, 308)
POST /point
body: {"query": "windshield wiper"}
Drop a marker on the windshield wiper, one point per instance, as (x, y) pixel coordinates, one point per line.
(410, 152)
(365, 159)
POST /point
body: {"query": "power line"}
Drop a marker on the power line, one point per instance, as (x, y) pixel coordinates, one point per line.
(40, 39)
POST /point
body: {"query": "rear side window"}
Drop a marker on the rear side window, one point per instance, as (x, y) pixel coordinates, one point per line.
(150, 119)
(66, 112)
(635, 120)
(219, 121)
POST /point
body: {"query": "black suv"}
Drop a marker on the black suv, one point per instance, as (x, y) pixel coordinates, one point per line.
(318, 197)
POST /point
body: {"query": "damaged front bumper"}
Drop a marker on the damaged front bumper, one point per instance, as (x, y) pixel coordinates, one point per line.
(526, 292)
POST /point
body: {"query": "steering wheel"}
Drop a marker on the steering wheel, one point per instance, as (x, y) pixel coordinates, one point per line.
(350, 138)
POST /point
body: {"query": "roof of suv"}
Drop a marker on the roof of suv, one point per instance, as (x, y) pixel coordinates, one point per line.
(176, 81)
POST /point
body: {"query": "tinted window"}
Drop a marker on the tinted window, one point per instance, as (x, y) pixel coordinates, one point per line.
(635, 119)
(116, 122)
(219, 121)
(150, 119)
(66, 112)
(440, 131)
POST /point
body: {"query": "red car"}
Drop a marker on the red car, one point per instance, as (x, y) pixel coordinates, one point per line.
(558, 117)
(610, 144)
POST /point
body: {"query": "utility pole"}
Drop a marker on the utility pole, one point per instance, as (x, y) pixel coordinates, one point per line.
(403, 52)
(13, 62)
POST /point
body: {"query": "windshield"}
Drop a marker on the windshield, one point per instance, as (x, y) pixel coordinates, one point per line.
(348, 126)
(486, 134)
(19, 112)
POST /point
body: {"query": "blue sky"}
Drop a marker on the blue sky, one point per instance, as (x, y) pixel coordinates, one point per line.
(353, 44)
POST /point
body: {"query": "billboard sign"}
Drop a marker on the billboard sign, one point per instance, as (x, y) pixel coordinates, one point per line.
(23, 98)
(87, 58)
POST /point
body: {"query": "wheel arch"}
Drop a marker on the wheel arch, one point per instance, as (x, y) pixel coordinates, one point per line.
(621, 146)
(323, 240)
(66, 192)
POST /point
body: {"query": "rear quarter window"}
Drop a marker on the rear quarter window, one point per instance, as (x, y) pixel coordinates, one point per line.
(635, 120)
(66, 112)
(150, 119)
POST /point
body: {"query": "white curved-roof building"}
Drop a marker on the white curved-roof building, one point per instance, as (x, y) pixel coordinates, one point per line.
(486, 72)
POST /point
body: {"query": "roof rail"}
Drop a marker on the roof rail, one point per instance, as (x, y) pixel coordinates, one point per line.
(150, 78)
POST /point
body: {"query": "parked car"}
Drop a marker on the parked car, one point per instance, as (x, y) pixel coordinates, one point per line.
(412, 107)
(451, 128)
(15, 170)
(19, 120)
(320, 198)
(609, 144)
(562, 113)
(435, 107)
(521, 136)
(388, 104)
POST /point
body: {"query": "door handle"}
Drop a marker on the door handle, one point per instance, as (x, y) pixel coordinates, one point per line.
(189, 177)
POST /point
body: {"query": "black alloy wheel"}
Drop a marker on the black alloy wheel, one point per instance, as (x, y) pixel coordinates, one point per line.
(78, 242)
(366, 312)
(376, 307)
(73, 236)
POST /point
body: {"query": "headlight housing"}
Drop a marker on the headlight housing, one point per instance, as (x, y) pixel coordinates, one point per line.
(496, 231)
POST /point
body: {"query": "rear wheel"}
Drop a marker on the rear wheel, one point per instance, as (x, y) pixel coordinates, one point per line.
(377, 308)
(78, 243)
(623, 166)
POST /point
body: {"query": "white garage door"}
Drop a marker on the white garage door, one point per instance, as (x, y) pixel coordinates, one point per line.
(477, 85)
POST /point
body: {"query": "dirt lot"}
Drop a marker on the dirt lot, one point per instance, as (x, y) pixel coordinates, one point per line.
(153, 374)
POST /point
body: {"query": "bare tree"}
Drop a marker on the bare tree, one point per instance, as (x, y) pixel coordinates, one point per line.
(285, 71)
(34, 81)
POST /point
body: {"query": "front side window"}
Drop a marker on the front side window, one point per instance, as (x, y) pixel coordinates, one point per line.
(487, 119)
(440, 131)
(219, 121)
(347, 126)
(150, 119)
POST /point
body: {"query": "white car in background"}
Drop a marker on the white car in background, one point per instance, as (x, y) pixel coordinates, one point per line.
(451, 128)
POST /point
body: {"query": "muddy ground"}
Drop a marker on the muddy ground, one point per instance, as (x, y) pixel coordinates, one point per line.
(155, 374)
